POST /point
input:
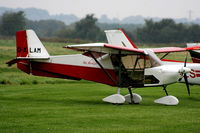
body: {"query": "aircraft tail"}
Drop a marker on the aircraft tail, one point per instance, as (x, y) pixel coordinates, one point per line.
(120, 38)
(195, 54)
(28, 48)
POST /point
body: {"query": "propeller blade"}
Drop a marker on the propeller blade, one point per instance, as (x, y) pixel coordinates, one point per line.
(185, 76)
(187, 84)
(180, 79)
(185, 60)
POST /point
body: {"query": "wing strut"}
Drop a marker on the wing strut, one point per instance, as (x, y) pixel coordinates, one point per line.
(110, 77)
(164, 56)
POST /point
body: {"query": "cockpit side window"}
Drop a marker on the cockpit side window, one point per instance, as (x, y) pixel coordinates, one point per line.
(137, 62)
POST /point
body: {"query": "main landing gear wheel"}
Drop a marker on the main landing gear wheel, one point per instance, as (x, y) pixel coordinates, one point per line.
(136, 99)
(131, 98)
(115, 98)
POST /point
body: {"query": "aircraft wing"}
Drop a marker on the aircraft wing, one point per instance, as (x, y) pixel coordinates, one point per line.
(105, 48)
(114, 49)
(173, 49)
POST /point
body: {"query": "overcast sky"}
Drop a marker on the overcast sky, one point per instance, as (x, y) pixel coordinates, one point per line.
(113, 8)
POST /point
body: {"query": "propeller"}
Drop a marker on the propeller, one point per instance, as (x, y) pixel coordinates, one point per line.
(184, 72)
(185, 76)
(187, 84)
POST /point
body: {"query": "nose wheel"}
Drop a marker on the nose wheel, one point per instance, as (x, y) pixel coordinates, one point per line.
(168, 99)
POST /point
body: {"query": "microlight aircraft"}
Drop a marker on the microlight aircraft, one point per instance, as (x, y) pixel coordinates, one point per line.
(118, 63)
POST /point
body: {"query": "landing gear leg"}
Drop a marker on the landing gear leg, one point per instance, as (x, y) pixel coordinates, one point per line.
(118, 91)
(132, 98)
(131, 95)
(164, 88)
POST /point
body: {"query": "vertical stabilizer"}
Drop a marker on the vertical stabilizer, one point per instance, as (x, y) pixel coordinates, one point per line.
(119, 38)
(29, 45)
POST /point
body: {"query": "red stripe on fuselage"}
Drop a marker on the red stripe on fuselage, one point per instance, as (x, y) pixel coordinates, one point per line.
(81, 72)
(24, 65)
(174, 61)
(197, 70)
(171, 60)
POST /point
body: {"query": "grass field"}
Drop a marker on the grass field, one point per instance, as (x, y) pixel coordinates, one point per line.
(39, 105)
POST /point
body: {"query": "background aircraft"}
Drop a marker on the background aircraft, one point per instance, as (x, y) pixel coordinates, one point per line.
(121, 65)
(120, 38)
(195, 54)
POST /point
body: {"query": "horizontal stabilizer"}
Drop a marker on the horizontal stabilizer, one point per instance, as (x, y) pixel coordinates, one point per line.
(11, 62)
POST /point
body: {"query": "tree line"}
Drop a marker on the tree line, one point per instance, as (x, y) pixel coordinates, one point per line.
(167, 31)
(164, 31)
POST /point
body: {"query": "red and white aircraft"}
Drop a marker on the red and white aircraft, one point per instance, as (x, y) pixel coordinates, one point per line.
(117, 63)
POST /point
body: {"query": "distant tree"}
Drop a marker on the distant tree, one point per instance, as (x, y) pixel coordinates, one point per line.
(167, 31)
(148, 32)
(45, 28)
(193, 33)
(87, 29)
(130, 29)
(12, 22)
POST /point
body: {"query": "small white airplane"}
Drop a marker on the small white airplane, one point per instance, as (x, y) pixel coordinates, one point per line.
(117, 63)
